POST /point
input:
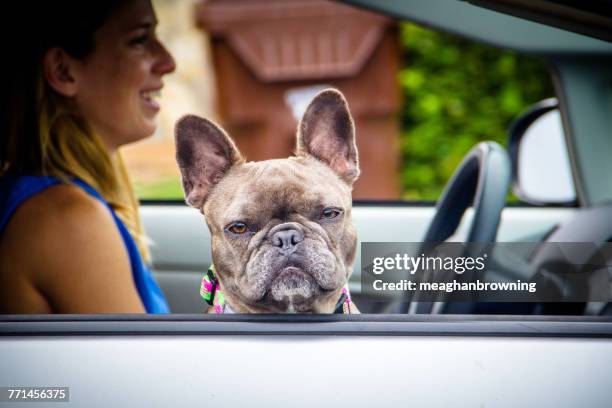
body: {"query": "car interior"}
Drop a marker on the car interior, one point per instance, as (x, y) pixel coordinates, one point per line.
(473, 206)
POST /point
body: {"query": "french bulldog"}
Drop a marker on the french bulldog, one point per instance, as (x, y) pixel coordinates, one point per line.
(282, 235)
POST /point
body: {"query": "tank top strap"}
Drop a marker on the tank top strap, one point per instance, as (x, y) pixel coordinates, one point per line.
(15, 190)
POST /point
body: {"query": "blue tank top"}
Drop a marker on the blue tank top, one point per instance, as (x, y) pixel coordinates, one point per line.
(15, 190)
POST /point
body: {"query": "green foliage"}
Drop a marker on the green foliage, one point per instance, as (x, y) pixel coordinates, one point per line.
(164, 189)
(456, 94)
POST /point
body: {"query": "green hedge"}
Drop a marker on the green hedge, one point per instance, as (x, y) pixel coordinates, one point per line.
(457, 93)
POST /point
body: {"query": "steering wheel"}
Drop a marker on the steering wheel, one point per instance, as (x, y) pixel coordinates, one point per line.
(482, 180)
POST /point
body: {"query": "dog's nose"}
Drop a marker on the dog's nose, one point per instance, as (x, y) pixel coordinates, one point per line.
(286, 238)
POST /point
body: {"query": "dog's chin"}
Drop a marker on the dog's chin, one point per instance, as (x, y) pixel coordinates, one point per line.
(293, 290)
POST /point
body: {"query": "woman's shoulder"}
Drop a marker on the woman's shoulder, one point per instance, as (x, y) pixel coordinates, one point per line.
(65, 243)
(58, 224)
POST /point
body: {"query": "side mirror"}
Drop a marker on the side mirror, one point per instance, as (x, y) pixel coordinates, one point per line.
(541, 169)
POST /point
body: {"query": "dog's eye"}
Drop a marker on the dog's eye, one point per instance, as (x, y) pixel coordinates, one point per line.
(330, 213)
(238, 228)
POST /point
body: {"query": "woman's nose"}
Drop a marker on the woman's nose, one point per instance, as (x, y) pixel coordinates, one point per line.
(165, 62)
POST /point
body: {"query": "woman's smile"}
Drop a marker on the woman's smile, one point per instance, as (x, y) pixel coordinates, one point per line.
(149, 98)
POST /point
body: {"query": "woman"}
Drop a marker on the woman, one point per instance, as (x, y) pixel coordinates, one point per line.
(71, 240)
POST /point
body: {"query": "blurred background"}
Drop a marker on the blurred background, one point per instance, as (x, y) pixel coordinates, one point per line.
(420, 98)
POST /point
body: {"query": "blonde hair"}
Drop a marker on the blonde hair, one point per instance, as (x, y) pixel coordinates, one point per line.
(69, 148)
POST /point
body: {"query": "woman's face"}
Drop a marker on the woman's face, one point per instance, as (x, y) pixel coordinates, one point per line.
(118, 83)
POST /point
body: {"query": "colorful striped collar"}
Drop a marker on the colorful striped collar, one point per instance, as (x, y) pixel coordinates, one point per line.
(212, 294)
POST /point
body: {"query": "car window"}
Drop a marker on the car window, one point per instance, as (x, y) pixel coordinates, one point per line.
(421, 98)
(429, 107)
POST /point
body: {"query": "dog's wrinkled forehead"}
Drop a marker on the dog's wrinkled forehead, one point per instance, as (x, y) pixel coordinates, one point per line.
(276, 189)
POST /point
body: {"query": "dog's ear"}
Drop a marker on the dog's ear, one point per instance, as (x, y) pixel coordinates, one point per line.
(204, 154)
(326, 132)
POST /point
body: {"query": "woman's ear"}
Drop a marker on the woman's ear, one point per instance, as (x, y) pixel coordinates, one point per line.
(59, 69)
